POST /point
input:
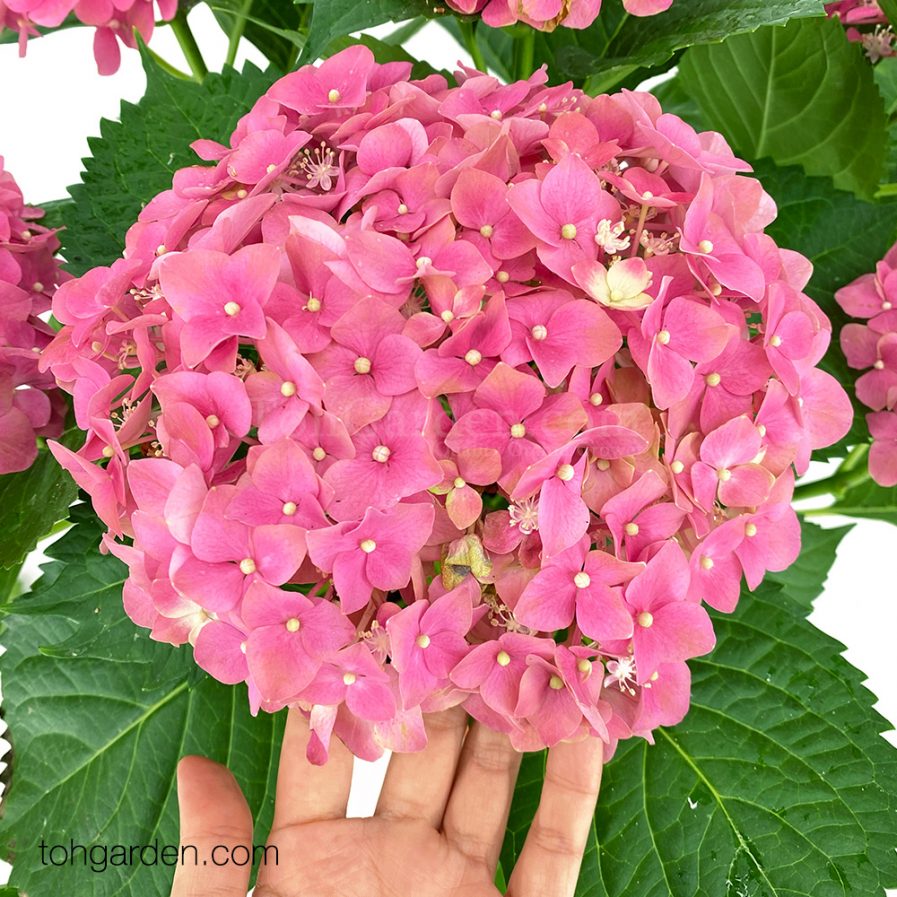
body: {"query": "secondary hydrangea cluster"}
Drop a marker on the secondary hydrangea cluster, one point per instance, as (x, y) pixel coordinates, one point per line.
(867, 25)
(546, 15)
(872, 347)
(114, 20)
(419, 395)
(30, 405)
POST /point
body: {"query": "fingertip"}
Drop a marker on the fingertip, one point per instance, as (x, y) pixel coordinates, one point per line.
(206, 789)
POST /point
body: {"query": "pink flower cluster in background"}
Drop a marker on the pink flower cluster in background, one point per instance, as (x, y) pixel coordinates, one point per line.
(419, 395)
(546, 15)
(114, 20)
(872, 347)
(866, 24)
(30, 406)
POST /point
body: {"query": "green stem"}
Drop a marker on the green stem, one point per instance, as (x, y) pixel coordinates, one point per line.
(236, 35)
(188, 45)
(527, 58)
(470, 41)
(166, 66)
(852, 471)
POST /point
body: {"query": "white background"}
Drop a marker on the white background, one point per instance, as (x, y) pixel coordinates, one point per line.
(51, 102)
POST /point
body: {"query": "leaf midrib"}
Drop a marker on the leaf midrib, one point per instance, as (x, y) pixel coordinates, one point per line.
(742, 841)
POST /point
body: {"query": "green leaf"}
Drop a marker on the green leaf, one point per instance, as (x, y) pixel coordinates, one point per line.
(96, 739)
(777, 784)
(619, 48)
(31, 502)
(868, 500)
(804, 579)
(800, 95)
(135, 157)
(339, 18)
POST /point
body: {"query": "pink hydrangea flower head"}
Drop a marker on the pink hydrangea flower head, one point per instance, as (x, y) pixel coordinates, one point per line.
(546, 15)
(871, 347)
(115, 21)
(452, 395)
(30, 406)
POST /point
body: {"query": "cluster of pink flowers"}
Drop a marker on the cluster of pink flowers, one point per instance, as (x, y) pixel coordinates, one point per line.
(419, 396)
(30, 405)
(546, 15)
(867, 25)
(114, 20)
(872, 347)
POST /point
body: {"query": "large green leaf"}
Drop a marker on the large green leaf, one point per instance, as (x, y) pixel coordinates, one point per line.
(868, 500)
(801, 95)
(96, 739)
(618, 47)
(135, 157)
(30, 503)
(777, 784)
(339, 18)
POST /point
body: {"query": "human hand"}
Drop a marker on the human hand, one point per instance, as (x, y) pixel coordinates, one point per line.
(437, 830)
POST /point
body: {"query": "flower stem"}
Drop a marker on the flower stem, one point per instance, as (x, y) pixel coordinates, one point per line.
(188, 45)
(470, 41)
(852, 471)
(527, 58)
(166, 66)
(236, 35)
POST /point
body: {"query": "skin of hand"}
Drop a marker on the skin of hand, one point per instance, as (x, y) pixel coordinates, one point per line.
(437, 830)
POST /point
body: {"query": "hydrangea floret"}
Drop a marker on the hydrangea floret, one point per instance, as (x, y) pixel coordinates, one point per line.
(871, 347)
(115, 21)
(866, 24)
(546, 15)
(30, 405)
(415, 396)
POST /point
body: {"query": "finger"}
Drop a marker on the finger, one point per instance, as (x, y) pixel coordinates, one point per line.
(417, 785)
(477, 812)
(549, 863)
(215, 827)
(305, 792)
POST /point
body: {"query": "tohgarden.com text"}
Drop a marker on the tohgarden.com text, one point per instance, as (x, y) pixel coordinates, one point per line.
(100, 857)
